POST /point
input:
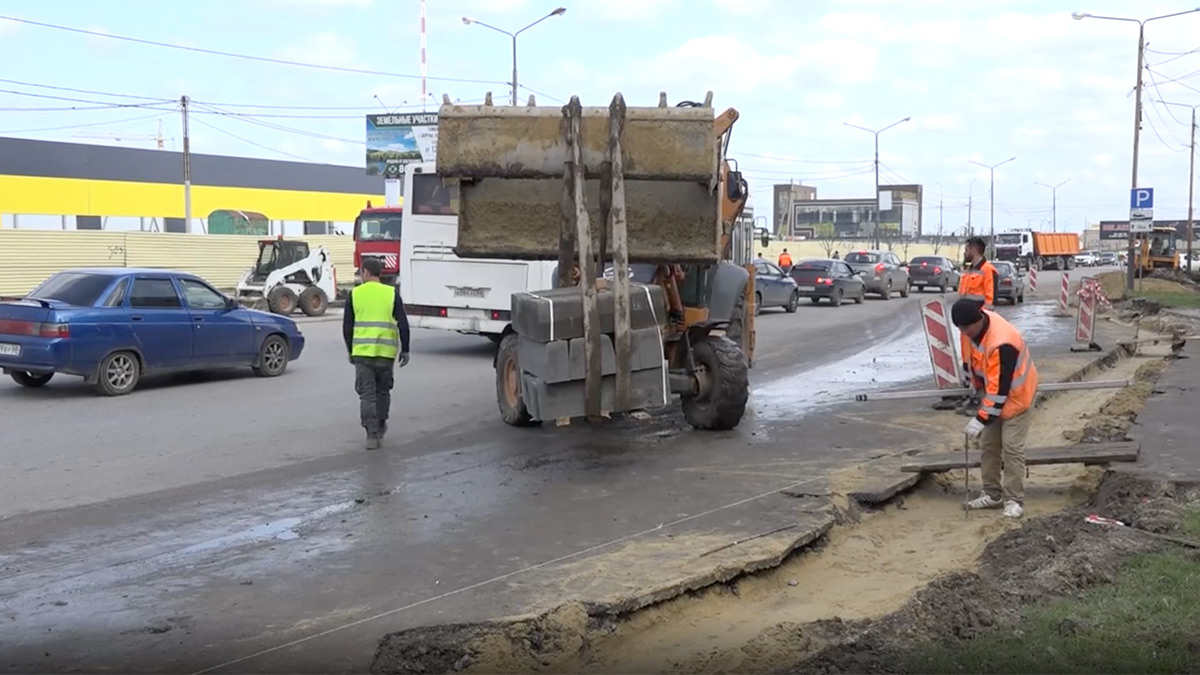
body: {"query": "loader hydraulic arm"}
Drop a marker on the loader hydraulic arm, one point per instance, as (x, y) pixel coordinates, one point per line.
(734, 190)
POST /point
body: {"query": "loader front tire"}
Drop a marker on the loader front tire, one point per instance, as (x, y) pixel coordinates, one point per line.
(313, 301)
(282, 300)
(724, 385)
(508, 385)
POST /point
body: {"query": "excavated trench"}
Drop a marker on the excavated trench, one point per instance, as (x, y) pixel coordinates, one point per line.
(915, 569)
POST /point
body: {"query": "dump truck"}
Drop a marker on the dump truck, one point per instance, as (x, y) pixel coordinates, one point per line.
(653, 290)
(1038, 250)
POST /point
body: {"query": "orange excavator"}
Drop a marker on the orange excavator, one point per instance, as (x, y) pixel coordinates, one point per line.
(646, 197)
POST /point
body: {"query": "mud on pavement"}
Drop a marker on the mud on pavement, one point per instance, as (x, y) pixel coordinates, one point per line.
(914, 569)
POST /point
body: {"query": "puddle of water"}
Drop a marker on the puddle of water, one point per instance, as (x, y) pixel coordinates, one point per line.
(281, 530)
(898, 359)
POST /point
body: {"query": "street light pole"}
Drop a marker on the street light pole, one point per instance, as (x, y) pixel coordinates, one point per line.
(468, 21)
(1137, 113)
(878, 214)
(1054, 202)
(992, 199)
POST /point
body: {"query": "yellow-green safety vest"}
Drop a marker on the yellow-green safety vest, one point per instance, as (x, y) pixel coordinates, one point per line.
(375, 331)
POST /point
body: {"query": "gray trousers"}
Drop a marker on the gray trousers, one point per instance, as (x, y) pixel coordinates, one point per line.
(373, 380)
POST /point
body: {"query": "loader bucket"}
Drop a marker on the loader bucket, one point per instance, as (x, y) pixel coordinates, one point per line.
(510, 163)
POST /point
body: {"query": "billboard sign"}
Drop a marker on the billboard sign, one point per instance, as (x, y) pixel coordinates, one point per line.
(1119, 229)
(397, 139)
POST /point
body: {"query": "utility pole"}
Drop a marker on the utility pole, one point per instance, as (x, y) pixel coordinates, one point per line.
(187, 168)
(970, 199)
(941, 200)
(1054, 203)
(1191, 232)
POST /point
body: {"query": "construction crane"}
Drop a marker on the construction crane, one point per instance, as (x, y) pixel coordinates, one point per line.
(157, 138)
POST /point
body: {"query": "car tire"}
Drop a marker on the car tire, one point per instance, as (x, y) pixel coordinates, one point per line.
(31, 380)
(273, 357)
(757, 303)
(862, 297)
(118, 374)
(886, 293)
(313, 301)
(904, 291)
(836, 298)
(282, 300)
(513, 410)
(793, 303)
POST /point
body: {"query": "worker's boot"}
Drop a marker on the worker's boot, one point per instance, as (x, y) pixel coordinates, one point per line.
(969, 407)
(949, 403)
(372, 442)
(382, 430)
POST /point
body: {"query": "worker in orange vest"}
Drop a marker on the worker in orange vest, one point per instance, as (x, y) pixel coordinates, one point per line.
(785, 260)
(977, 284)
(1001, 425)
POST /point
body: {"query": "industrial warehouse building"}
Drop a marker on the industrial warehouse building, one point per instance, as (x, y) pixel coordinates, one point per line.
(73, 186)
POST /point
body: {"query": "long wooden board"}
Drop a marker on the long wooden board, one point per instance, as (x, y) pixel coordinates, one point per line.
(1082, 453)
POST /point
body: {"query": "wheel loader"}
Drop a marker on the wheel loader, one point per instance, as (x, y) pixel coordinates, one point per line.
(654, 294)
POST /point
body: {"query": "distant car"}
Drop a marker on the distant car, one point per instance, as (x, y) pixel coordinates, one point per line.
(1011, 283)
(1109, 259)
(828, 278)
(881, 271)
(112, 326)
(933, 271)
(1085, 259)
(774, 288)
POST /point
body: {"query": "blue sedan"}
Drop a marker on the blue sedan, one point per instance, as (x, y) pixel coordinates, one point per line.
(112, 326)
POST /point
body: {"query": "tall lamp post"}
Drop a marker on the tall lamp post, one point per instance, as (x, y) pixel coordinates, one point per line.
(1053, 202)
(878, 214)
(1137, 112)
(992, 198)
(1191, 232)
(468, 21)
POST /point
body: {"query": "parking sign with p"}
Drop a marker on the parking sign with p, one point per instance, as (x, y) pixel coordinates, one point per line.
(1141, 198)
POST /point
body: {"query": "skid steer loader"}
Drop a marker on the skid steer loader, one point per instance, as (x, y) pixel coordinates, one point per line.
(288, 274)
(647, 188)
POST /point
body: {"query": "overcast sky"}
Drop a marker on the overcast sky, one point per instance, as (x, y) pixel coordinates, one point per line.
(981, 81)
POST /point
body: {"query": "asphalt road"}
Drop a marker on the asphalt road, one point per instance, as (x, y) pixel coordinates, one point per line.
(210, 518)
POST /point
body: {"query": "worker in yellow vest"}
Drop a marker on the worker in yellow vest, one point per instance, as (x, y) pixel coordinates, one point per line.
(376, 331)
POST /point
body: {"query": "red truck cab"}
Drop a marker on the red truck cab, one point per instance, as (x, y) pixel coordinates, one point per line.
(377, 234)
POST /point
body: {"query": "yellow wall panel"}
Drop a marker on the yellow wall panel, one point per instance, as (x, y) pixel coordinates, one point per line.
(27, 257)
(68, 196)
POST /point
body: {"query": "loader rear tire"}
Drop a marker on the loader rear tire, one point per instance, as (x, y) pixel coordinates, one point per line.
(313, 301)
(508, 385)
(282, 300)
(725, 385)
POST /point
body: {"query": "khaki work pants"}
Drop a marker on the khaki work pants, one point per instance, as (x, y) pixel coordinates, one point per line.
(1002, 445)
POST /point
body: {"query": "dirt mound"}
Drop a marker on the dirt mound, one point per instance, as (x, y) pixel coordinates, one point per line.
(1112, 421)
(1162, 281)
(1049, 557)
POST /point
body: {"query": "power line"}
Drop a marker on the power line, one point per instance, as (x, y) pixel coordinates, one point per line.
(102, 105)
(250, 119)
(247, 57)
(81, 126)
(777, 158)
(247, 140)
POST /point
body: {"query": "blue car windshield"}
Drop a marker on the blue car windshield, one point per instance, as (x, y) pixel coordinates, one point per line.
(74, 288)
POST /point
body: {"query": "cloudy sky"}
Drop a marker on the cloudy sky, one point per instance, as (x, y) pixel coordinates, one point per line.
(981, 81)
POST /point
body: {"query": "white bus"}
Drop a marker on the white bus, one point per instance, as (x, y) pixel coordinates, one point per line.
(443, 291)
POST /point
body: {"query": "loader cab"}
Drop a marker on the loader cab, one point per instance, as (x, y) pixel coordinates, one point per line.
(274, 254)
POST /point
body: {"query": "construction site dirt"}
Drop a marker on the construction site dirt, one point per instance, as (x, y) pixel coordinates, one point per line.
(874, 568)
(566, 538)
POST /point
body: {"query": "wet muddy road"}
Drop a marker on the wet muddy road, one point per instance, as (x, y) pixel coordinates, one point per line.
(253, 535)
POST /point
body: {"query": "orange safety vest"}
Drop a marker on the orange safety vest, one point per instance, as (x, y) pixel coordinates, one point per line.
(978, 282)
(1022, 388)
(785, 260)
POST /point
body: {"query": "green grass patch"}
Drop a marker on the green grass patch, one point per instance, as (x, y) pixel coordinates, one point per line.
(1174, 300)
(1147, 621)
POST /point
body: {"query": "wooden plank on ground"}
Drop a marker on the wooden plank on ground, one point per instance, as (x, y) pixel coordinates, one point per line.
(1082, 453)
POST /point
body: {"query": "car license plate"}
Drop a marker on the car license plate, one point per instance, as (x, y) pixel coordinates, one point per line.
(808, 288)
(10, 350)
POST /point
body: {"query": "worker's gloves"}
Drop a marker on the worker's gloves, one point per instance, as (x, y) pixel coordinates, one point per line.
(402, 360)
(974, 428)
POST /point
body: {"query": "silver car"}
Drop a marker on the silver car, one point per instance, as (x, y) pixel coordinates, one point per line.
(881, 271)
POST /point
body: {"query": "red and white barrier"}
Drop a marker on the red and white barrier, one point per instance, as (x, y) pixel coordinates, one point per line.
(1033, 280)
(1091, 285)
(1064, 300)
(1085, 317)
(943, 354)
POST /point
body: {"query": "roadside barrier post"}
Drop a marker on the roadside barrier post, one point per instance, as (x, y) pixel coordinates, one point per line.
(943, 354)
